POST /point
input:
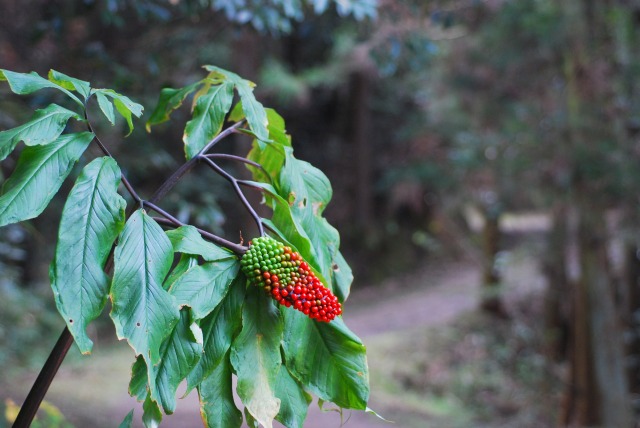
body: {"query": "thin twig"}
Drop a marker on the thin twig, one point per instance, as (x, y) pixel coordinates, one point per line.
(188, 166)
(236, 248)
(236, 188)
(235, 158)
(104, 149)
(163, 213)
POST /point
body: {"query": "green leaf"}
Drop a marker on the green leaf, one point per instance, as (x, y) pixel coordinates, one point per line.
(208, 117)
(187, 240)
(271, 157)
(203, 287)
(178, 355)
(255, 356)
(143, 312)
(27, 83)
(328, 359)
(277, 130)
(308, 192)
(151, 416)
(125, 113)
(341, 276)
(70, 83)
(135, 108)
(217, 407)
(107, 107)
(127, 421)
(185, 263)
(44, 127)
(253, 110)
(92, 218)
(294, 401)
(123, 105)
(38, 176)
(219, 329)
(170, 99)
(139, 379)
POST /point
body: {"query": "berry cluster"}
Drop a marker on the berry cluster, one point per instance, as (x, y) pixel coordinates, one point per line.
(283, 274)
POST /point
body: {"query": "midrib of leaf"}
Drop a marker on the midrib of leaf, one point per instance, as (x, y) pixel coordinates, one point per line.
(85, 237)
(147, 274)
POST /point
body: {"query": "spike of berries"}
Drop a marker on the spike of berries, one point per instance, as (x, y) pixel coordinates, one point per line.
(288, 279)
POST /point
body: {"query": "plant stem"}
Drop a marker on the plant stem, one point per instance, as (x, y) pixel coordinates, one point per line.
(190, 164)
(235, 158)
(236, 187)
(41, 385)
(236, 248)
(104, 149)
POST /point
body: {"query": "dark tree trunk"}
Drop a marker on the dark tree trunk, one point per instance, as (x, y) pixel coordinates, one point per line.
(491, 301)
(557, 298)
(358, 135)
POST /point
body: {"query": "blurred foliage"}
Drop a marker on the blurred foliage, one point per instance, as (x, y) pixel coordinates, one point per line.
(49, 416)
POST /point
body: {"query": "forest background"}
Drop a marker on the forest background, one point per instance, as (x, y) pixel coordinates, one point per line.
(436, 121)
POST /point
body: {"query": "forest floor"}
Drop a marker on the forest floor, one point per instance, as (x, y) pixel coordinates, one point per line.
(435, 361)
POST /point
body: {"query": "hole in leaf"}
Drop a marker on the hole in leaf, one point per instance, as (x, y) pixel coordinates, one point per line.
(137, 324)
(70, 321)
(335, 267)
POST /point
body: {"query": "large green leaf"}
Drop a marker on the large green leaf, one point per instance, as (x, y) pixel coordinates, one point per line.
(38, 176)
(219, 329)
(203, 287)
(255, 356)
(294, 401)
(178, 355)
(170, 99)
(92, 218)
(27, 83)
(45, 126)
(208, 117)
(187, 240)
(143, 312)
(308, 192)
(253, 110)
(216, 398)
(70, 83)
(327, 358)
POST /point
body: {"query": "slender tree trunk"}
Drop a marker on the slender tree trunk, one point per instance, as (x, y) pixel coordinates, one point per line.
(631, 301)
(604, 323)
(491, 301)
(557, 299)
(360, 90)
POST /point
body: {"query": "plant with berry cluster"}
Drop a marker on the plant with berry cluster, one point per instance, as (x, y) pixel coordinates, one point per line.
(192, 305)
(284, 275)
